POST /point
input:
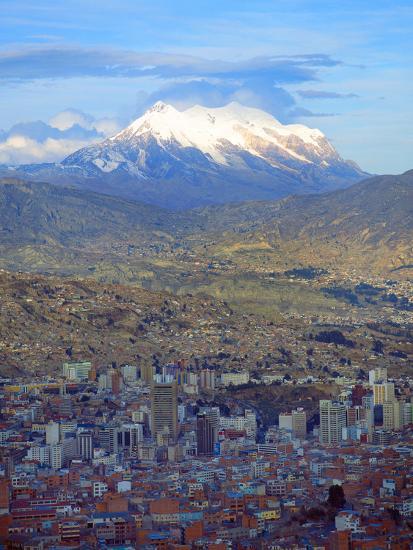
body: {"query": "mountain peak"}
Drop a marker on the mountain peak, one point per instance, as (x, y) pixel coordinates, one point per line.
(158, 119)
(246, 128)
(159, 107)
(204, 155)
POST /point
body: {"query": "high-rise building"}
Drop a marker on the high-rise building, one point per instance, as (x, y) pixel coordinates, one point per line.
(56, 456)
(130, 373)
(104, 382)
(332, 421)
(214, 415)
(92, 375)
(164, 406)
(355, 415)
(407, 413)
(65, 407)
(136, 435)
(77, 370)
(52, 433)
(207, 427)
(367, 401)
(295, 422)
(67, 427)
(130, 435)
(357, 393)
(69, 450)
(207, 379)
(206, 434)
(393, 418)
(388, 415)
(250, 423)
(108, 438)
(142, 416)
(299, 422)
(379, 374)
(382, 392)
(116, 381)
(146, 373)
(285, 421)
(39, 453)
(85, 445)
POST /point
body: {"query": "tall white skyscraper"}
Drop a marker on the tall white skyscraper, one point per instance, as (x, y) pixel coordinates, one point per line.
(56, 456)
(393, 417)
(379, 374)
(52, 433)
(332, 421)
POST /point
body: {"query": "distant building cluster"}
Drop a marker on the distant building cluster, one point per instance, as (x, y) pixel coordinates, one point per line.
(369, 414)
(148, 457)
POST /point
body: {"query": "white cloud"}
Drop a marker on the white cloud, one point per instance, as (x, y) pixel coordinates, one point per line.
(68, 118)
(71, 117)
(23, 150)
(107, 126)
(65, 133)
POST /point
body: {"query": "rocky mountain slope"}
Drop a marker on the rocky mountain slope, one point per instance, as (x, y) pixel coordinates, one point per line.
(204, 156)
(41, 213)
(258, 257)
(45, 320)
(367, 227)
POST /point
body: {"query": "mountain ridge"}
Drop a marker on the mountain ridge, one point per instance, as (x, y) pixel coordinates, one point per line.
(369, 224)
(42, 213)
(200, 156)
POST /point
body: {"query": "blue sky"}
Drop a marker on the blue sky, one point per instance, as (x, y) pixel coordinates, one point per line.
(345, 68)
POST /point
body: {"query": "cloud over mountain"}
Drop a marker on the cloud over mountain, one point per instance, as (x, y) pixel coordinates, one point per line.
(321, 94)
(182, 80)
(178, 79)
(58, 62)
(65, 132)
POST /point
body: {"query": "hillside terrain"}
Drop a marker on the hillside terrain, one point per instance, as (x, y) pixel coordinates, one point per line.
(299, 256)
(367, 227)
(45, 320)
(40, 213)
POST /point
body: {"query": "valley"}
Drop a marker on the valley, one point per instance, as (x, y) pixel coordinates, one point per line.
(301, 256)
(254, 263)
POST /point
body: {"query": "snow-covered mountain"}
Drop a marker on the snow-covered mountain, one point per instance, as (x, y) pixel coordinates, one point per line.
(202, 155)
